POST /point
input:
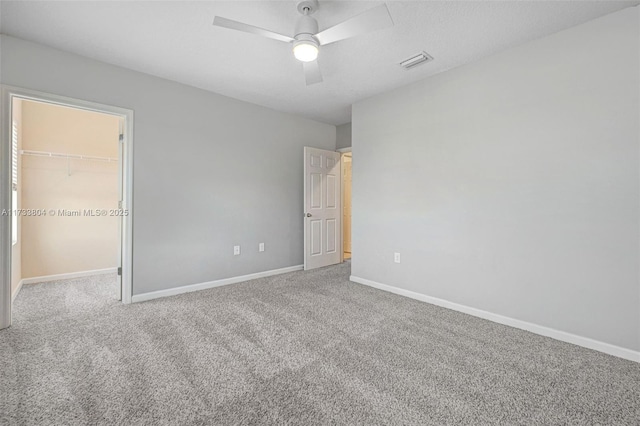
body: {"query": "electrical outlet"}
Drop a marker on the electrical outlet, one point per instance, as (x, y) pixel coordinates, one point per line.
(236, 250)
(261, 247)
(396, 257)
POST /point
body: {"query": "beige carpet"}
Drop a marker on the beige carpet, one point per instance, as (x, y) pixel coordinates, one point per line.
(302, 348)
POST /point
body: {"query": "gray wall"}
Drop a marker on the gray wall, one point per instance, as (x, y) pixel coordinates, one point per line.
(210, 172)
(343, 136)
(511, 185)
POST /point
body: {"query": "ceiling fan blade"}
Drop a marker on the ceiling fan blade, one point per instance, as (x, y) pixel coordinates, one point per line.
(371, 20)
(219, 21)
(312, 73)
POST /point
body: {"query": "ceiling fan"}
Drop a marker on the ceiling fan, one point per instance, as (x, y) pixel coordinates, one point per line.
(307, 39)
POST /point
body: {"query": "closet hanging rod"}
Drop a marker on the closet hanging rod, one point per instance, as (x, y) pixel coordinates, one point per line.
(67, 156)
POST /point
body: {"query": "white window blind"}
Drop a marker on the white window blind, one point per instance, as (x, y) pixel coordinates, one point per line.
(14, 156)
(14, 182)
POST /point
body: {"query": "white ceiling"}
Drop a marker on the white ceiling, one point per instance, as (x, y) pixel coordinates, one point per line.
(175, 40)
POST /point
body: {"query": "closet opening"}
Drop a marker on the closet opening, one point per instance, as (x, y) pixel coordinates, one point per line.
(70, 216)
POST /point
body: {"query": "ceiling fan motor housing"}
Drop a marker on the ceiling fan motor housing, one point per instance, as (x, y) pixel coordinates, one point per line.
(306, 25)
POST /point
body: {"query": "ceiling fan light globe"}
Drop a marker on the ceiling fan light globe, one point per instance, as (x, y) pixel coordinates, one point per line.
(305, 51)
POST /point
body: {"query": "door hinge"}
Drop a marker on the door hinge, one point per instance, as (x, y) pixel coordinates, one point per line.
(119, 270)
(121, 137)
(120, 204)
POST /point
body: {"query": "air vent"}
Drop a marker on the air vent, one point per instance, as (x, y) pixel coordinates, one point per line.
(416, 60)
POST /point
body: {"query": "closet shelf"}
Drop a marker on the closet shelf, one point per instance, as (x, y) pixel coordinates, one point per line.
(67, 156)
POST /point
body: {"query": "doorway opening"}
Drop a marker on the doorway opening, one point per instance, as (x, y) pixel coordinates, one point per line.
(323, 208)
(346, 204)
(327, 207)
(69, 217)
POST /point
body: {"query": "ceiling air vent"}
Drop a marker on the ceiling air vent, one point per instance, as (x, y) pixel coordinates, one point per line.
(416, 60)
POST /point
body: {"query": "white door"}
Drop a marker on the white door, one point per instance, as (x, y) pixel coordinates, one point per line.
(322, 208)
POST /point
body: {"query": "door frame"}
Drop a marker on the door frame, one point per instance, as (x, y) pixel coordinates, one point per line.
(8, 93)
(343, 151)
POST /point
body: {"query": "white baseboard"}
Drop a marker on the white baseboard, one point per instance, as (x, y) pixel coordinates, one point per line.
(512, 322)
(210, 284)
(47, 278)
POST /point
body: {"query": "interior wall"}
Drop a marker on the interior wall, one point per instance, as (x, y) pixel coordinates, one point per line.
(511, 185)
(68, 239)
(343, 136)
(210, 172)
(16, 249)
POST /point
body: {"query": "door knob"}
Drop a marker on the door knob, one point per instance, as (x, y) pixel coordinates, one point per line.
(308, 215)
